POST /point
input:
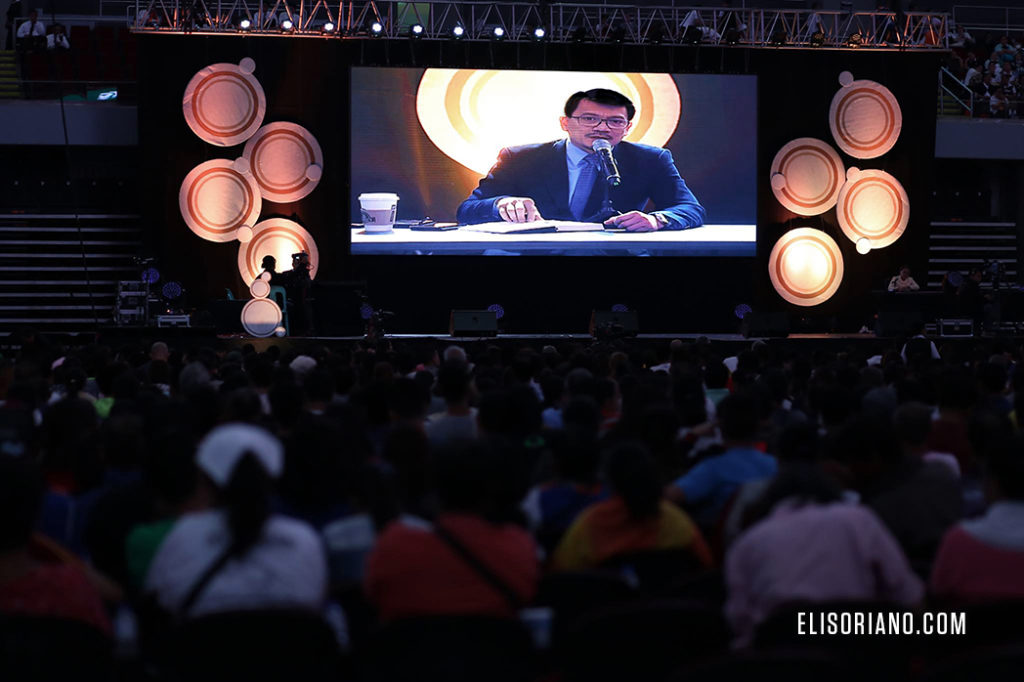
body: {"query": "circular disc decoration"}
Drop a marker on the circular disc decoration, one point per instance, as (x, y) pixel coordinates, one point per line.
(470, 114)
(806, 175)
(286, 161)
(873, 205)
(280, 238)
(260, 288)
(224, 104)
(806, 266)
(865, 118)
(217, 201)
(261, 317)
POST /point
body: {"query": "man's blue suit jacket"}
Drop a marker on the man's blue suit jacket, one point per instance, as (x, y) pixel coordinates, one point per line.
(539, 171)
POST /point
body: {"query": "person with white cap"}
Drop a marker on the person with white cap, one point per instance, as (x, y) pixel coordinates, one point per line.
(236, 555)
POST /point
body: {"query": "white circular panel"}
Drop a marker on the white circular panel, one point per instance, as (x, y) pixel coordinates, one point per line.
(873, 205)
(286, 161)
(471, 114)
(224, 105)
(280, 238)
(260, 317)
(806, 267)
(806, 175)
(260, 288)
(865, 119)
(216, 201)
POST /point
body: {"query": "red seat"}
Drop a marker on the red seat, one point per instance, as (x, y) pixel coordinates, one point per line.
(87, 68)
(80, 38)
(105, 38)
(38, 67)
(62, 69)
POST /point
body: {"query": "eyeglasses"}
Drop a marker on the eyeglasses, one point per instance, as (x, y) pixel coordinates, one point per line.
(591, 121)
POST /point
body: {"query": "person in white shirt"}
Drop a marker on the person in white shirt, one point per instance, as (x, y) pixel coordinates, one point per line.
(31, 30)
(903, 281)
(58, 40)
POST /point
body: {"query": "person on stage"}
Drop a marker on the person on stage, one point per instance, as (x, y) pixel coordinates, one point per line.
(562, 180)
(903, 281)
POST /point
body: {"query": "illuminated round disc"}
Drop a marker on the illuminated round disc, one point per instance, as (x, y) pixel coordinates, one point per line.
(224, 105)
(281, 156)
(873, 205)
(806, 175)
(865, 119)
(280, 238)
(471, 114)
(806, 267)
(260, 317)
(216, 201)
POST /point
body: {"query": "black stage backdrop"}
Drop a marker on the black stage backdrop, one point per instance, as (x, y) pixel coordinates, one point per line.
(306, 81)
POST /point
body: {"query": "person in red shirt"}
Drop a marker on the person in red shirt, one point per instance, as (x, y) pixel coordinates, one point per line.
(414, 571)
(983, 559)
(29, 585)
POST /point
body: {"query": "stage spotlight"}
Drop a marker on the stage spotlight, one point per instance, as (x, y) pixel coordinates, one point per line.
(855, 40)
(497, 309)
(416, 30)
(617, 34)
(692, 35)
(779, 38)
(863, 246)
(150, 275)
(376, 28)
(742, 310)
(172, 290)
(579, 34)
(818, 38)
(539, 33)
(329, 27)
(366, 311)
(620, 308)
(498, 33)
(458, 31)
(732, 37)
(656, 35)
(287, 25)
(245, 24)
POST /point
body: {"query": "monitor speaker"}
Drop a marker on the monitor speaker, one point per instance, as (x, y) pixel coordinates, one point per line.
(615, 324)
(766, 325)
(473, 323)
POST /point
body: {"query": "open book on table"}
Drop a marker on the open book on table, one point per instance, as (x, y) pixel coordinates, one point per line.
(535, 226)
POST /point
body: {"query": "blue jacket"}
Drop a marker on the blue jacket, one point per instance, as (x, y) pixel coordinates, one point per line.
(539, 171)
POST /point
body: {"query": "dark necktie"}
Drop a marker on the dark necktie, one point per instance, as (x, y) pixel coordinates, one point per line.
(584, 183)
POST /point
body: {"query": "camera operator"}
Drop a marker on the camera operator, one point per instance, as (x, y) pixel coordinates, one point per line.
(297, 283)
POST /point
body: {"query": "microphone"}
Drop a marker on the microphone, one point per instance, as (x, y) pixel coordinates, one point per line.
(611, 169)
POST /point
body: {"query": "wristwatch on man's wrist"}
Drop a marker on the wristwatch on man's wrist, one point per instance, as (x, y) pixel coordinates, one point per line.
(662, 220)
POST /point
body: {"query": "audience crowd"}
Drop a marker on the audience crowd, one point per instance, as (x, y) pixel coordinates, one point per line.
(991, 67)
(144, 489)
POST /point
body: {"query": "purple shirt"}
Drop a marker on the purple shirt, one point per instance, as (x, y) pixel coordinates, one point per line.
(813, 553)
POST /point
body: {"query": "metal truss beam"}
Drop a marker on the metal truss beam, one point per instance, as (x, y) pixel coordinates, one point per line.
(561, 23)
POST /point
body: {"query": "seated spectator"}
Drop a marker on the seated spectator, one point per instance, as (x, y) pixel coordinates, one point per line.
(634, 519)
(916, 500)
(456, 564)
(708, 486)
(58, 40)
(235, 555)
(458, 421)
(553, 506)
(913, 422)
(811, 547)
(999, 103)
(28, 585)
(983, 559)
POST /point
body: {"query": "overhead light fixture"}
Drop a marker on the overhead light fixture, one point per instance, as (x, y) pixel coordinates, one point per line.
(498, 33)
(458, 31)
(416, 31)
(779, 38)
(818, 38)
(618, 34)
(376, 28)
(245, 24)
(692, 35)
(732, 37)
(287, 25)
(656, 35)
(579, 34)
(855, 40)
(539, 33)
(329, 27)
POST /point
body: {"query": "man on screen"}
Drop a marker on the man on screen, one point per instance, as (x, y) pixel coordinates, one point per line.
(563, 180)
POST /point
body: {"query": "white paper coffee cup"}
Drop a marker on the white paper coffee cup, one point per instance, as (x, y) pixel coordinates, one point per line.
(379, 210)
